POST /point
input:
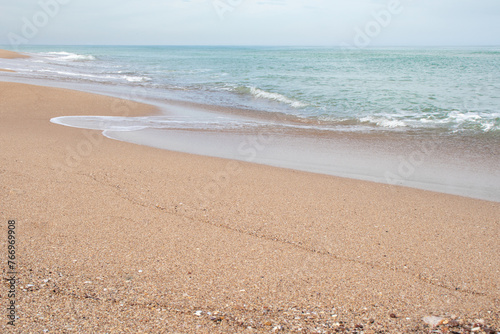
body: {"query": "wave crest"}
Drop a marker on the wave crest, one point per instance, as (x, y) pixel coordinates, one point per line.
(68, 56)
(262, 94)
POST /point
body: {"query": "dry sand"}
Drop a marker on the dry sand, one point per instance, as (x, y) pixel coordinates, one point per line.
(5, 54)
(118, 238)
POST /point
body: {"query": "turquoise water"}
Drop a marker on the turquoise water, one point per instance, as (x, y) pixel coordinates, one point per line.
(397, 89)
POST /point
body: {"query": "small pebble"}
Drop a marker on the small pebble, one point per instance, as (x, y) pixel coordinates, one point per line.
(433, 321)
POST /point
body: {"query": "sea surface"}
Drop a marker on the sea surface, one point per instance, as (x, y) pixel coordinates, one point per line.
(427, 118)
(450, 89)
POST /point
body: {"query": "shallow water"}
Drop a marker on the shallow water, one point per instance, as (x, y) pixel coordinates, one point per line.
(451, 89)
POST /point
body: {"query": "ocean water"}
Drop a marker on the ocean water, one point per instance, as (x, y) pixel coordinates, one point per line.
(453, 90)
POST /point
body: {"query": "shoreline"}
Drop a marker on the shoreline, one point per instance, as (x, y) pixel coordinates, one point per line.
(450, 164)
(128, 232)
(459, 164)
(5, 54)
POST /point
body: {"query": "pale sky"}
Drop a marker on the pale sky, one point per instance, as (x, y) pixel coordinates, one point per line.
(251, 22)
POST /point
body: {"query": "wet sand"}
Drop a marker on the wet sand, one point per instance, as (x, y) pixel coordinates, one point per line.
(117, 237)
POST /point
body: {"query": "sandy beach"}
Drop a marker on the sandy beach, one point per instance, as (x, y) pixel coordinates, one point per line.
(120, 238)
(6, 54)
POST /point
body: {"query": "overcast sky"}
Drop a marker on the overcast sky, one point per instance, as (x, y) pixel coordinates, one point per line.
(251, 22)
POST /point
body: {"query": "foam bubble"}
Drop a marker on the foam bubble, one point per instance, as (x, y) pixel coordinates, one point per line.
(135, 78)
(259, 93)
(68, 56)
(383, 122)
